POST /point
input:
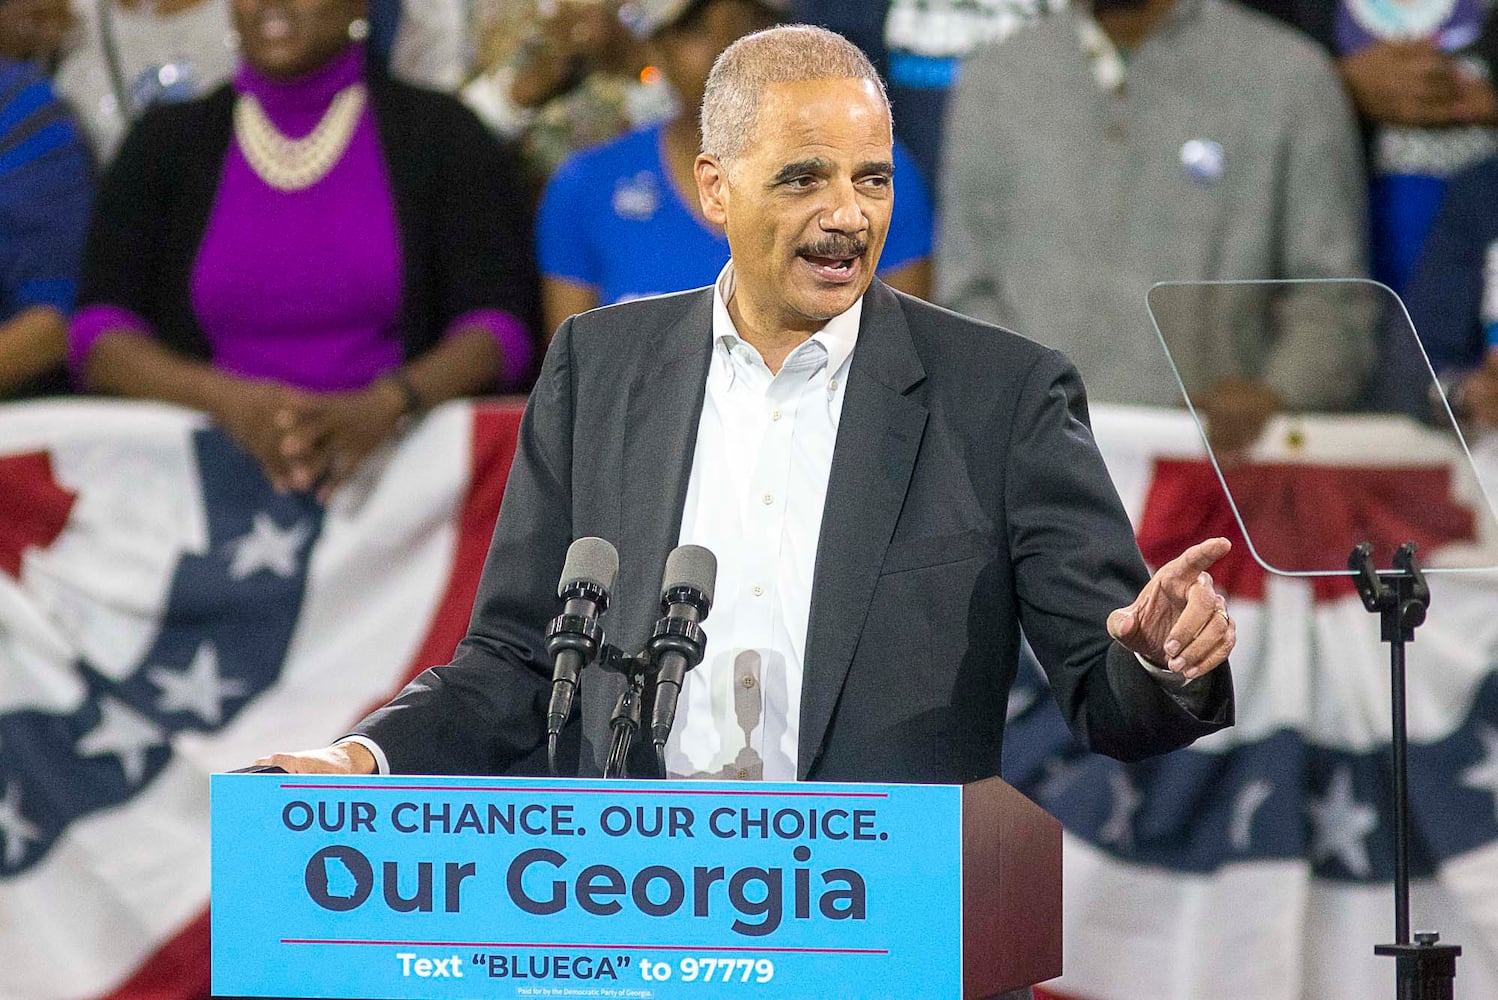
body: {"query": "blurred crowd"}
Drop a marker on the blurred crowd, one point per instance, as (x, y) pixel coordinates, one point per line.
(313, 219)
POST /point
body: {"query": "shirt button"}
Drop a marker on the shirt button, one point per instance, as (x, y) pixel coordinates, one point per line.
(767, 499)
(832, 385)
(775, 415)
(748, 682)
(743, 774)
(758, 591)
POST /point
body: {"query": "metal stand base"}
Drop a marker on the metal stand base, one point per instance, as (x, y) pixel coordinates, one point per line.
(1425, 970)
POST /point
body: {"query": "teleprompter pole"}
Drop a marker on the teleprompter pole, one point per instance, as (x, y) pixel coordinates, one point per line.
(1425, 969)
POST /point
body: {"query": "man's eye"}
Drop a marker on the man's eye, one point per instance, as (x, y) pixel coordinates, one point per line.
(802, 182)
(878, 181)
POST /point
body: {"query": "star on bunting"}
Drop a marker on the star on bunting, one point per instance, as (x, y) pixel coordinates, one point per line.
(1342, 826)
(268, 546)
(15, 832)
(199, 689)
(1059, 775)
(1020, 700)
(126, 734)
(1245, 808)
(1484, 774)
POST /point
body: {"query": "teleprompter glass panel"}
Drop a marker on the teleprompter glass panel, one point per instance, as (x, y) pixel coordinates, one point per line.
(1326, 425)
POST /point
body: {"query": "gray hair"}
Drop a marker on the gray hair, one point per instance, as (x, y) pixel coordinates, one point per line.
(786, 54)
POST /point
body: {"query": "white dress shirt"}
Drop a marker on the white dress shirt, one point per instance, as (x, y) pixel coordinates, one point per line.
(755, 498)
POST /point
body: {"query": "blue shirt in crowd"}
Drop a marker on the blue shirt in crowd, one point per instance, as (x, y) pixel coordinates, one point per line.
(612, 219)
(1411, 166)
(45, 194)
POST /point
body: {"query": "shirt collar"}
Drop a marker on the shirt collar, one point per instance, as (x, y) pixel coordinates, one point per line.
(1106, 63)
(838, 337)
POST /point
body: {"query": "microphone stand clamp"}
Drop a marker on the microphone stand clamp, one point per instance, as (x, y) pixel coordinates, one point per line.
(624, 724)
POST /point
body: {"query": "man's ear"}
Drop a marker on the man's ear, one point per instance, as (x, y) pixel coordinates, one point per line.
(712, 188)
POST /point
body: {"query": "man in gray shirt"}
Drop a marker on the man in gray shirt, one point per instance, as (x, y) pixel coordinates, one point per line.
(1125, 142)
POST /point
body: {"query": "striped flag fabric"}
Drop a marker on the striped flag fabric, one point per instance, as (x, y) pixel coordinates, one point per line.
(163, 615)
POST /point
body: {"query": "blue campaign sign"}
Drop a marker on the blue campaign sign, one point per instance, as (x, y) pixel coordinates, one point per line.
(511, 888)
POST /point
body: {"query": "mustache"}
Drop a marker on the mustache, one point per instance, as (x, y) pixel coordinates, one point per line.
(834, 245)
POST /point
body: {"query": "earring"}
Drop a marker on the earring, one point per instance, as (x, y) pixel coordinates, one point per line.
(358, 29)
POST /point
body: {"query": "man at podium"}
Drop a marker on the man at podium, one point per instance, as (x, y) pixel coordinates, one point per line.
(892, 491)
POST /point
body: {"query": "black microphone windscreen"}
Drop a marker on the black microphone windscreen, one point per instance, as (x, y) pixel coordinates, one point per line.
(691, 566)
(590, 560)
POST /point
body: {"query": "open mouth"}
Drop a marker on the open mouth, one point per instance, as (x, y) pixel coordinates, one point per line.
(836, 269)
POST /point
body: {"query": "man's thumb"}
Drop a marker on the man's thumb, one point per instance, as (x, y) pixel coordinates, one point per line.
(1121, 623)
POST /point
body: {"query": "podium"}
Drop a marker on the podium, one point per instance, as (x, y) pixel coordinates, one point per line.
(417, 886)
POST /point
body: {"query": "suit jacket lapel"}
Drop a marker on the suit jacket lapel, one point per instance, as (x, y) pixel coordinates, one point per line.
(659, 435)
(878, 438)
(665, 404)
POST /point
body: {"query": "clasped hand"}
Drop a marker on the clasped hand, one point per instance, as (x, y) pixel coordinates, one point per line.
(1179, 621)
(1477, 396)
(1416, 83)
(308, 441)
(1235, 412)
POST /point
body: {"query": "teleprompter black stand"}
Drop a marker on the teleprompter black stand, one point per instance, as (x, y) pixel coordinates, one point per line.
(1426, 969)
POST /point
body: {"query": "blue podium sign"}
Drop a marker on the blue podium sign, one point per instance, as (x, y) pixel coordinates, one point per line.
(519, 888)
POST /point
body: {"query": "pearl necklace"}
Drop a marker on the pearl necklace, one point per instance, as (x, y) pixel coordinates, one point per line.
(296, 164)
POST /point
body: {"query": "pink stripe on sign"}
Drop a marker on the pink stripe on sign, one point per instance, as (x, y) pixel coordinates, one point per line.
(598, 947)
(593, 791)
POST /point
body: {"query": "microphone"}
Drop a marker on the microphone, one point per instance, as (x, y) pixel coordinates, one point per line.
(574, 637)
(678, 641)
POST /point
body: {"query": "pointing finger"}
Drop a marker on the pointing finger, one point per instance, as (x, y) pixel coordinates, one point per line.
(1198, 559)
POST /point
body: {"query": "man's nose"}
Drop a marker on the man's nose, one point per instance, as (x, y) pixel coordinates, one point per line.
(843, 214)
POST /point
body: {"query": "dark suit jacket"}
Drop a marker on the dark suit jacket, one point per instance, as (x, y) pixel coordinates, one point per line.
(966, 499)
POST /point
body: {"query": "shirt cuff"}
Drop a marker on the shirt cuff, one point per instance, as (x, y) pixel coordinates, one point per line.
(1192, 697)
(382, 765)
(92, 322)
(514, 340)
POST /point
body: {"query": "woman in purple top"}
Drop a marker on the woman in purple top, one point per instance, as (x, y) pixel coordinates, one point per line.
(310, 254)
